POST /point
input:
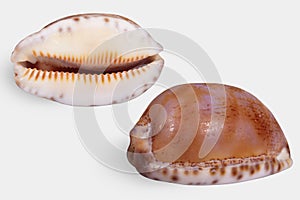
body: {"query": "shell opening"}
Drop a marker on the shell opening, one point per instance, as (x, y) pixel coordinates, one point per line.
(60, 65)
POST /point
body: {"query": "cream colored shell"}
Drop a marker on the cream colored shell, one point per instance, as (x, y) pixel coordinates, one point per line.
(81, 48)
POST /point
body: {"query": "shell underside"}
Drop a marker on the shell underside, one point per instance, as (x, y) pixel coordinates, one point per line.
(88, 59)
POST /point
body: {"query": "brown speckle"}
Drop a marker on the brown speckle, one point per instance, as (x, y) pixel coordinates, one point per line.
(242, 167)
(52, 98)
(195, 172)
(16, 74)
(267, 166)
(212, 171)
(222, 171)
(261, 159)
(86, 17)
(114, 102)
(106, 20)
(61, 96)
(279, 167)
(42, 37)
(234, 171)
(69, 29)
(60, 29)
(252, 170)
(175, 171)
(76, 19)
(240, 177)
(186, 172)
(165, 171)
(214, 182)
(174, 178)
(257, 167)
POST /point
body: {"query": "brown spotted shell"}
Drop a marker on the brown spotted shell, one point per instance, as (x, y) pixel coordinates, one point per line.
(88, 59)
(207, 134)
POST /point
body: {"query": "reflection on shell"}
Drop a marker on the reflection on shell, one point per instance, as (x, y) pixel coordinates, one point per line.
(88, 59)
(202, 134)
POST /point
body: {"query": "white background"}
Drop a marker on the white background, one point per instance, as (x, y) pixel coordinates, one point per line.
(254, 45)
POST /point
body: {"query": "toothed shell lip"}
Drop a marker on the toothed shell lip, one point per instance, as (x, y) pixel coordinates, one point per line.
(50, 75)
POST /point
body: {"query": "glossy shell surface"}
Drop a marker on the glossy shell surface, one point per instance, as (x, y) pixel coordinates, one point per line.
(88, 59)
(202, 134)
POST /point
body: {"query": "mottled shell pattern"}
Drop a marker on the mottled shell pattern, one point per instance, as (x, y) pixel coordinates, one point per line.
(88, 59)
(203, 134)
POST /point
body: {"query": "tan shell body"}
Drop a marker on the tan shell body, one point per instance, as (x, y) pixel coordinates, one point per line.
(88, 59)
(207, 134)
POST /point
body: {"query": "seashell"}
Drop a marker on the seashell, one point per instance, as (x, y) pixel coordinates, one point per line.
(203, 134)
(88, 59)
